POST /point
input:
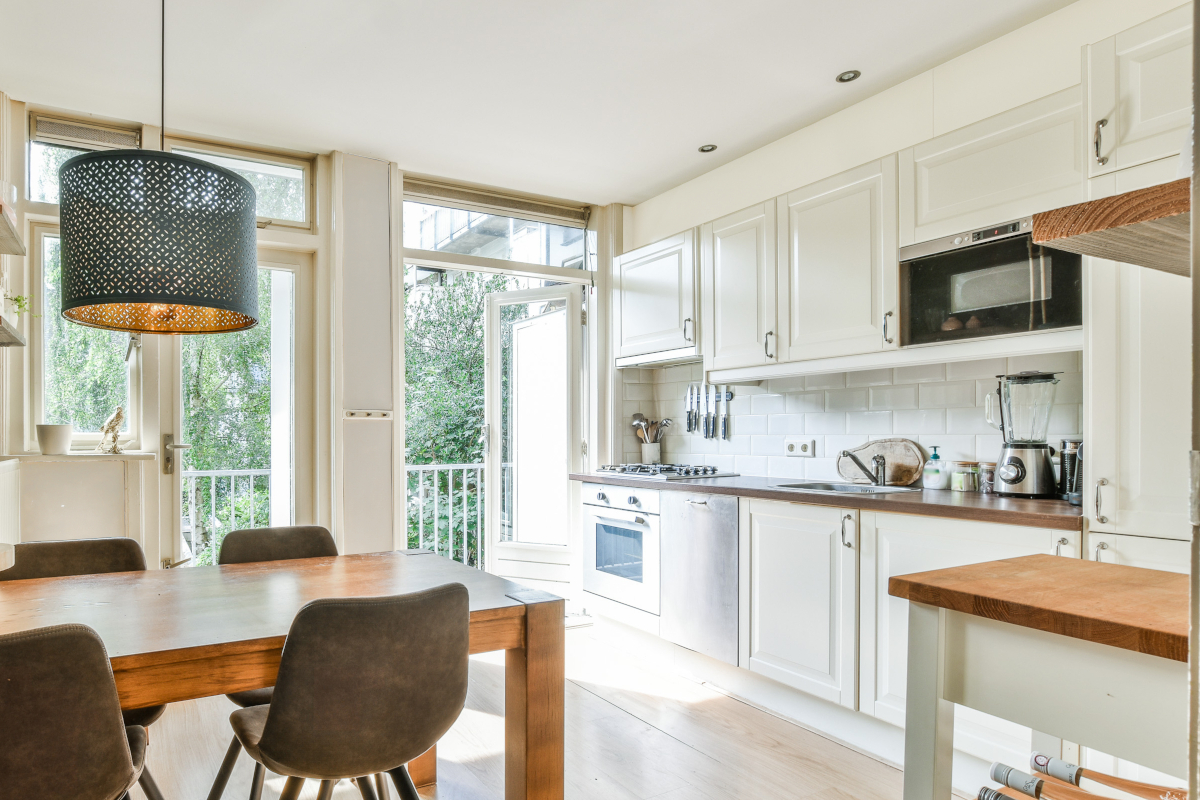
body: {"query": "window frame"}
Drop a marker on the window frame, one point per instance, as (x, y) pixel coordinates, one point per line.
(307, 163)
(80, 440)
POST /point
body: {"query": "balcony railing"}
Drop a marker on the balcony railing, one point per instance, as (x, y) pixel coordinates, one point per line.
(217, 501)
(445, 510)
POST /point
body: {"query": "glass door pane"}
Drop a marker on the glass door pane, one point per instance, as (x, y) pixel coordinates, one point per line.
(237, 415)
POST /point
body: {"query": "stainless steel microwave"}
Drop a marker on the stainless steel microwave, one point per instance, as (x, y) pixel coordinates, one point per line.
(988, 282)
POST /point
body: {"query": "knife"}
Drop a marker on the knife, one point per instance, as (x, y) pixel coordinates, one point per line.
(725, 412)
(710, 401)
(693, 406)
(687, 406)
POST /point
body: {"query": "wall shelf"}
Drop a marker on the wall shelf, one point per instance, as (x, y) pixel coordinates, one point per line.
(1149, 227)
(10, 236)
(10, 336)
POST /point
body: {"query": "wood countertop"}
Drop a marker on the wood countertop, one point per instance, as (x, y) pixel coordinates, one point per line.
(1143, 610)
(1056, 514)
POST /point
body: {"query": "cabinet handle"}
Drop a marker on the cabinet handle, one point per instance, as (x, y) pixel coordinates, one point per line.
(1059, 545)
(698, 502)
(1100, 517)
(844, 542)
(1101, 160)
(885, 321)
(766, 340)
(687, 338)
(1100, 546)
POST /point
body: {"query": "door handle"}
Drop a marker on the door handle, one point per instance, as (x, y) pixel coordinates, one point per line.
(885, 322)
(1100, 517)
(844, 542)
(687, 338)
(766, 347)
(1101, 160)
(169, 448)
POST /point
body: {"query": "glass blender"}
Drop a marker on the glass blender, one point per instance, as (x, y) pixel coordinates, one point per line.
(1024, 402)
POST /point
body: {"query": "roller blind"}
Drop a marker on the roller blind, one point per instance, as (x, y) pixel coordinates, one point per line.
(442, 194)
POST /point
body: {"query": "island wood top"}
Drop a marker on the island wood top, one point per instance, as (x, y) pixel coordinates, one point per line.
(158, 614)
(975, 506)
(1144, 610)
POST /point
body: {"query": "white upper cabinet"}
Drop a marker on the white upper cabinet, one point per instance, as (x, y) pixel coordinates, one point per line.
(799, 569)
(738, 296)
(1003, 168)
(1137, 400)
(837, 265)
(656, 297)
(1139, 87)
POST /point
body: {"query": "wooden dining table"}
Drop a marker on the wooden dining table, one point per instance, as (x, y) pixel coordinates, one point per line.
(182, 634)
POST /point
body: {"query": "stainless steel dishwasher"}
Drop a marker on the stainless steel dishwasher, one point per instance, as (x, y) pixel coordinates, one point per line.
(699, 573)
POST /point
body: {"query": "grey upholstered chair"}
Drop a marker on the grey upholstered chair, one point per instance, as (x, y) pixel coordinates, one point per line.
(365, 685)
(60, 559)
(61, 721)
(249, 546)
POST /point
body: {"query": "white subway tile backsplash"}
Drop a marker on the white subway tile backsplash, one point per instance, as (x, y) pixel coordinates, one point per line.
(824, 423)
(833, 380)
(921, 373)
(834, 445)
(723, 463)
(639, 391)
(806, 402)
(1064, 419)
(908, 422)
(739, 405)
(951, 448)
(785, 423)
(976, 370)
(768, 404)
(869, 422)
(785, 385)
(967, 420)
(781, 467)
(735, 446)
(821, 469)
(766, 445)
(869, 377)
(894, 397)
(750, 465)
(748, 423)
(987, 448)
(959, 394)
(846, 400)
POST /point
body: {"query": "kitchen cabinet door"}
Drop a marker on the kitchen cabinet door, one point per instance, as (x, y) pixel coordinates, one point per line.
(1139, 86)
(1027, 159)
(800, 598)
(1137, 400)
(656, 296)
(837, 265)
(738, 269)
(1168, 555)
(894, 544)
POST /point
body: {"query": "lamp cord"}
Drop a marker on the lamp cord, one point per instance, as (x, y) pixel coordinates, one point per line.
(162, 86)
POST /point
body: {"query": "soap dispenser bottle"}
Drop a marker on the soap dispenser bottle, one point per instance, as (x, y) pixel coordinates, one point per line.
(937, 472)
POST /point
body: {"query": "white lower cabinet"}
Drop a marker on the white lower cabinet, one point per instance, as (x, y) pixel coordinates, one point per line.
(798, 596)
(893, 544)
(1168, 555)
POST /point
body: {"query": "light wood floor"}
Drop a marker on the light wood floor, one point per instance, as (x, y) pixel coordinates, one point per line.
(632, 734)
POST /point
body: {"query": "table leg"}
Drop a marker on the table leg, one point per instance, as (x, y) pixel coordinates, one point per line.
(423, 768)
(534, 695)
(928, 718)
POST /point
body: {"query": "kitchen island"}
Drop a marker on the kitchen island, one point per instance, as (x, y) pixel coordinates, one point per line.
(973, 506)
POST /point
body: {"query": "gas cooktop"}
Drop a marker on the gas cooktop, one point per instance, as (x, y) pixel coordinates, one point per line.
(666, 472)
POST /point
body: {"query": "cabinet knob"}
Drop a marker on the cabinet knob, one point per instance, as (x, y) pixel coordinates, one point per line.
(633, 501)
(602, 497)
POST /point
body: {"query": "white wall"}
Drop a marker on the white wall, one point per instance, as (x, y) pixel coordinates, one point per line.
(1031, 62)
(932, 404)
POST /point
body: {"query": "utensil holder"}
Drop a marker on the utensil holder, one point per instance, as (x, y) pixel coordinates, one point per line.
(54, 440)
(652, 453)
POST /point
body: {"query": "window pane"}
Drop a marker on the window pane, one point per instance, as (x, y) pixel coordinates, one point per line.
(84, 374)
(456, 230)
(44, 161)
(280, 188)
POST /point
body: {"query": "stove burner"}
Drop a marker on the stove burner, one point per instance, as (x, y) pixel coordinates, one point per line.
(664, 471)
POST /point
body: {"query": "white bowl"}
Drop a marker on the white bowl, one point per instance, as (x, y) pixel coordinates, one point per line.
(54, 440)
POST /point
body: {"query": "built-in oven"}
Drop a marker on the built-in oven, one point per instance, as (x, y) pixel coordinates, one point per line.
(989, 282)
(621, 545)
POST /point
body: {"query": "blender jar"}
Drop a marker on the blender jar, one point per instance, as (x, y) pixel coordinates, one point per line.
(1026, 400)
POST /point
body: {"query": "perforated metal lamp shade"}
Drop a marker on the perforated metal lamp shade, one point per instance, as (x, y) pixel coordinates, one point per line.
(156, 242)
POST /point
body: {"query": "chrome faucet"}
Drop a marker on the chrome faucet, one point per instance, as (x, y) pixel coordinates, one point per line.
(879, 476)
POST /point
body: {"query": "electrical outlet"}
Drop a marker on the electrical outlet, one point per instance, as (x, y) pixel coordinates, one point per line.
(800, 448)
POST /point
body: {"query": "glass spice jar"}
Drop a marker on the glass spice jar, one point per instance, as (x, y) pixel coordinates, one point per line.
(987, 477)
(965, 477)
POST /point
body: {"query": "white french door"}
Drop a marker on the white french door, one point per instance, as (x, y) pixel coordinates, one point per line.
(533, 434)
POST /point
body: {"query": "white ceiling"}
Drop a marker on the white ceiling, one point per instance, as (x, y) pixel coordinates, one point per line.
(592, 101)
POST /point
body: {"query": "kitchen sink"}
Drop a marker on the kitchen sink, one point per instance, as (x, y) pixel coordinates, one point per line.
(845, 488)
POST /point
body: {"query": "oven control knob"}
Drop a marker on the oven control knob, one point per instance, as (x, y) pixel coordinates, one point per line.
(633, 501)
(602, 497)
(1013, 471)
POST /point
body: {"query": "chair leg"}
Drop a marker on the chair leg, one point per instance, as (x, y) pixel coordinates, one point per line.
(291, 789)
(146, 781)
(365, 788)
(218, 787)
(381, 787)
(326, 790)
(404, 784)
(256, 783)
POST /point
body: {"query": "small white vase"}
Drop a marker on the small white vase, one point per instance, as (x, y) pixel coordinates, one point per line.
(54, 440)
(652, 453)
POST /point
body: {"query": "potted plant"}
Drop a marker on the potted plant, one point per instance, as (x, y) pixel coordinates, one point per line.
(18, 304)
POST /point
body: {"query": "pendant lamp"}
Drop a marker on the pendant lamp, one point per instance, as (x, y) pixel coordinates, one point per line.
(157, 242)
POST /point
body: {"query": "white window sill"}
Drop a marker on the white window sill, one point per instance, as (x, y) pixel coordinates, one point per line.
(84, 455)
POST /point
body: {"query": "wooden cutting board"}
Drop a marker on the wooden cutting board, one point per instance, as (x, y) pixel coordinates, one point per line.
(905, 461)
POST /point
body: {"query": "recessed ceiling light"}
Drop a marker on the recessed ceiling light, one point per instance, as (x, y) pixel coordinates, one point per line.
(848, 75)
(707, 148)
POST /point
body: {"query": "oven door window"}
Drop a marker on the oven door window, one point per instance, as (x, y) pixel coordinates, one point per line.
(619, 551)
